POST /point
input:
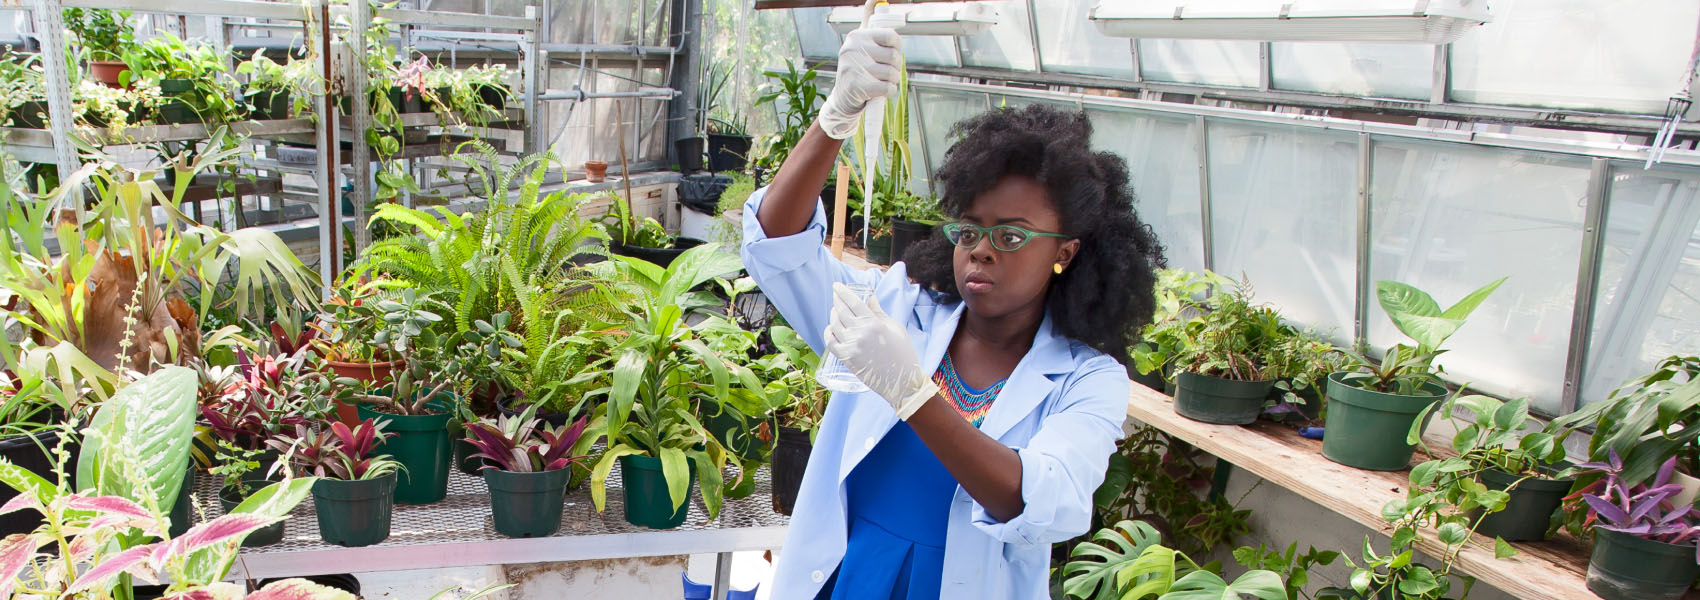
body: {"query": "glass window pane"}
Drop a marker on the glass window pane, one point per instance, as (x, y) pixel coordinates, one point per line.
(1449, 219)
(1648, 306)
(1584, 54)
(1370, 70)
(816, 38)
(943, 109)
(1069, 43)
(1162, 159)
(1283, 203)
(1204, 62)
(934, 50)
(1008, 45)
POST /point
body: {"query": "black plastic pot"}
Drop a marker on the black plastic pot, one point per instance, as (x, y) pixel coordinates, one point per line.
(1217, 400)
(24, 452)
(1367, 429)
(174, 110)
(905, 234)
(790, 458)
(1626, 567)
(728, 152)
(662, 257)
(354, 513)
(31, 114)
(1529, 510)
(493, 96)
(180, 513)
(690, 153)
(879, 250)
(264, 536)
(173, 87)
(737, 433)
(464, 460)
(269, 104)
(648, 503)
(527, 504)
(421, 444)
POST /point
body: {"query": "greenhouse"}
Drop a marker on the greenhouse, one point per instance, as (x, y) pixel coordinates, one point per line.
(845, 299)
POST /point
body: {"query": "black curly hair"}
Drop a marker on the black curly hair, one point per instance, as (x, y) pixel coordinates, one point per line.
(1105, 296)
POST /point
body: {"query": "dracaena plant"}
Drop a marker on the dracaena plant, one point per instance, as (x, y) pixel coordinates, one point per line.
(516, 444)
(1643, 510)
(1406, 369)
(337, 452)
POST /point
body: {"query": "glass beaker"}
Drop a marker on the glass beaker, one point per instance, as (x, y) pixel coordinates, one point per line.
(832, 374)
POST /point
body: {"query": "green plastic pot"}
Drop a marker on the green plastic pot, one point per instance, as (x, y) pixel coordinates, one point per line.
(464, 460)
(173, 87)
(1529, 510)
(270, 104)
(1217, 400)
(264, 536)
(173, 110)
(527, 504)
(737, 433)
(180, 513)
(1367, 429)
(647, 501)
(1627, 567)
(421, 445)
(354, 513)
(879, 250)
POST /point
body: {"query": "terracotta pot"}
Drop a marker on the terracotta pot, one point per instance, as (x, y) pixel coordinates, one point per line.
(107, 71)
(595, 171)
(374, 373)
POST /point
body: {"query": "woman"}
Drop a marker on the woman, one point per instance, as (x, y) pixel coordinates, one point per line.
(995, 396)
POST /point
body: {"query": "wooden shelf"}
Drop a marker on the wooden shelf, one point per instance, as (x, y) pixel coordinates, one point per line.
(36, 145)
(1550, 570)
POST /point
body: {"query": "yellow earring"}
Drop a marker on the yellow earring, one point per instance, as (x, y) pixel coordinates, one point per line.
(1057, 268)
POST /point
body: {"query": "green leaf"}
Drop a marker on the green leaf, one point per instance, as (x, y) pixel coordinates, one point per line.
(1512, 414)
(677, 472)
(599, 475)
(1420, 581)
(1415, 313)
(1204, 585)
(147, 425)
(27, 482)
(1094, 567)
(276, 500)
(1501, 549)
(1116, 479)
(1361, 580)
(1453, 534)
(1423, 475)
(1400, 561)
(1468, 304)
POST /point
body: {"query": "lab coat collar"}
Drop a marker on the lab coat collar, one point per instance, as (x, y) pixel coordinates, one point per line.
(1028, 384)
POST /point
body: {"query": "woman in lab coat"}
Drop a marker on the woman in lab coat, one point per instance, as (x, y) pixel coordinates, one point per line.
(991, 354)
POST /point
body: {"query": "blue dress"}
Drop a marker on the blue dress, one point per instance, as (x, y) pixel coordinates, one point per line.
(899, 496)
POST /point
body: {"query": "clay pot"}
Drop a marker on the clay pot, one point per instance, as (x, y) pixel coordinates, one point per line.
(595, 171)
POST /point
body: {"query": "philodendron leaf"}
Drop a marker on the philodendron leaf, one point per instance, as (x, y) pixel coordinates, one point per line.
(1453, 534)
(150, 423)
(1204, 585)
(1468, 304)
(1501, 549)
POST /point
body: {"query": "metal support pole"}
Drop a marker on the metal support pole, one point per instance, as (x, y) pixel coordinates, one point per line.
(722, 575)
(1361, 295)
(1442, 73)
(1033, 32)
(1587, 288)
(50, 27)
(1203, 139)
(360, 105)
(1265, 75)
(681, 111)
(325, 175)
(530, 65)
(926, 158)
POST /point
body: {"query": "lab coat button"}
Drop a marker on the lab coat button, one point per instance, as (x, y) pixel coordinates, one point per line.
(868, 444)
(817, 576)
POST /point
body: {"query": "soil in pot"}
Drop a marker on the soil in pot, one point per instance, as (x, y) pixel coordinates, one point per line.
(1527, 513)
(1367, 429)
(879, 250)
(648, 503)
(905, 234)
(1627, 567)
(354, 513)
(790, 459)
(1217, 400)
(689, 151)
(24, 452)
(728, 152)
(421, 444)
(264, 536)
(527, 504)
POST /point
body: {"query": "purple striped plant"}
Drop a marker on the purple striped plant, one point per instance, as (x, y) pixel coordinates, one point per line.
(1644, 510)
(518, 445)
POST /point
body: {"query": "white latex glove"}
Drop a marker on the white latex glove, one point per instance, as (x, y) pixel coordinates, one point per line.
(876, 348)
(867, 69)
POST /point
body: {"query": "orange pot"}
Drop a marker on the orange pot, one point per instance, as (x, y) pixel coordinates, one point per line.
(595, 171)
(107, 71)
(381, 373)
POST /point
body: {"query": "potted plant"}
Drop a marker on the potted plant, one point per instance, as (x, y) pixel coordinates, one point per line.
(480, 354)
(193, 82)
(347, 339)
(490, 83)
(417, 406)
(797, 99)
(1372, 405)
(355, 490)
(30, 432)
(235, 467)
(914, 219)
(662, 449)
(792, 373)
(1302, 362)
(644, 238)
(728, 143)
(1178, 293)
(1644, 549)
(1647, 421)
(1504, 484)
(527, 470)
(279, 91)
(1222, 373)
(23, 97)
(104, 35)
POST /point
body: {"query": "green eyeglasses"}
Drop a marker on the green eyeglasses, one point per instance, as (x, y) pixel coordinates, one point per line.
(1007, 238)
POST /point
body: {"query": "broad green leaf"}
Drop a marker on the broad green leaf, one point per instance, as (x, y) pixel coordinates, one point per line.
(677, 471)
(1399, 562)
(147, 424)
(1204, 585)
(599, 475)
(1361, 580)
(1415, 313)
(1512, 414)
(1453, 534)
(1501, 549)
(1093, 567)
(1468, 304)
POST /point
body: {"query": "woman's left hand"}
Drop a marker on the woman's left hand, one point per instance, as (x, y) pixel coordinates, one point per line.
(877, 349)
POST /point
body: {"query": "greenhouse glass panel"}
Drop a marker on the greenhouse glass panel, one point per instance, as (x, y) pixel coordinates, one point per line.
(1648, 305)
(1368, 70)
(1449, 219)
(1283, 204)
(1162, 159)
(1581, 54)
(1009, 44)
(943, 110)
(816, 38)
(1202, 62)
(933, 50)
(1069, 43)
